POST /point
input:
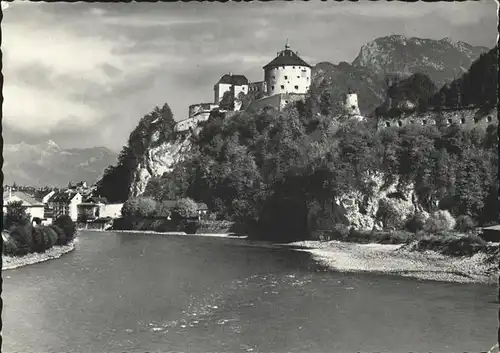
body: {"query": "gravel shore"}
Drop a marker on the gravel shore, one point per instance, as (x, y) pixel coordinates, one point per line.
(396, 259)
(9, 262)
(380, 258)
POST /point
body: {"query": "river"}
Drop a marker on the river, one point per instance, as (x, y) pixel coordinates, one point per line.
(151, 293)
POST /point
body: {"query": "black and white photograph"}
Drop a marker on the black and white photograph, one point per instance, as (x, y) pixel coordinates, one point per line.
(250, 176)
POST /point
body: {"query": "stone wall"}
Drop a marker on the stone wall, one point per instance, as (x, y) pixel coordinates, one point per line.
(468, 118)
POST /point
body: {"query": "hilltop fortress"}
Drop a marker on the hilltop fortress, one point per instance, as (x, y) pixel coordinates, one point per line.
(287, 78)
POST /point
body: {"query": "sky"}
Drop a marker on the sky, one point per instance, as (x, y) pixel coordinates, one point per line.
(84, 74)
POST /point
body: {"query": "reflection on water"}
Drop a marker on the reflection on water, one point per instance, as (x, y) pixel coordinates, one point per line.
(132, 293)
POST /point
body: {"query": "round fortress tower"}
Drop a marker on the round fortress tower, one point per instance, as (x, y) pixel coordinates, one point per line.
(351, 103)
(287, 73)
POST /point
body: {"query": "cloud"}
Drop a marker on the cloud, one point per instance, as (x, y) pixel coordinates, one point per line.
(87, 72)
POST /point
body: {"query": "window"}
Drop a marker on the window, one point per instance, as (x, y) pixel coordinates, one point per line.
(296, 87)
(476, 120)
(298, 76)
(272, 87)
(294, 67)
(282, 86)
(462, 121)
(400, 123)
(388, 124)
(286, 77)
(490, 119)
(450, 121)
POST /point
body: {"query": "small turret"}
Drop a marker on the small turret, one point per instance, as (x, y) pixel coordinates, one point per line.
(351, 103)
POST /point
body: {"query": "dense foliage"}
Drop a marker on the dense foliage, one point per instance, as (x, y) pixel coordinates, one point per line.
(15, 214)
(144, 213)
(115, 184)
(23, 238)
(477, 87)
(274, 171)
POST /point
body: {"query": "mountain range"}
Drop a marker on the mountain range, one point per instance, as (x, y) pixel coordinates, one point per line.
(47, 164)
(394, 57)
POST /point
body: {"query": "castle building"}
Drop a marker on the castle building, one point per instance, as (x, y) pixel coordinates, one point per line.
(235, 84)
(287, 73)
(287, 78)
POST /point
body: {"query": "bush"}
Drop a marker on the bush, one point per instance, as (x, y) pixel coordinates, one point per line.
(340, 231)
(23, 237)
(10, 247)
(185, 208)
(211, 226)
(52, 235)
(15, 215)
(139, 207)
(416, 223)
(465, 224)
(452, 245)
(389, 216)
(67, 225)
(38, 240)
(61, 236)
(439, 221)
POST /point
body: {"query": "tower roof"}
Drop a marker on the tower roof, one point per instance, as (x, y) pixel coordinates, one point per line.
(237, 80)
(287, 58)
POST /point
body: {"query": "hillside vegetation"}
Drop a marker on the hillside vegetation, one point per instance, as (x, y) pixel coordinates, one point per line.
(154, 129)
(277, 173)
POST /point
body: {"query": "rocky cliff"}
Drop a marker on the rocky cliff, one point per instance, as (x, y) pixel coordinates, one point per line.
(441, 60)
(157, 160)
(367, 211)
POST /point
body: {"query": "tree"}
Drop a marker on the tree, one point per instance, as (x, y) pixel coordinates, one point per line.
(16, 214)
(185, 208)
(227, 101)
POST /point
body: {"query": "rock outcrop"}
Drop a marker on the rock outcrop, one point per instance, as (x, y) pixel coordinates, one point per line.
(363, 209)
(158, 159)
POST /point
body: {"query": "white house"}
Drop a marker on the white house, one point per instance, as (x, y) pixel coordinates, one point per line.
(33, 207)
(65, 203)
(46, 198)
(235, 84)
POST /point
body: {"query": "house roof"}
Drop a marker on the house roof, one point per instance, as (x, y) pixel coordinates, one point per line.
(96, 199)
(237, 80)
(62, 196)
(202, 206)
(27, 200)
(287, 58)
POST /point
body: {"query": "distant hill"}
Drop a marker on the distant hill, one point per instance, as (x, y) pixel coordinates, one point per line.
(395, 57)
(48, 164)
(477, 87)
(442, 60)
